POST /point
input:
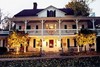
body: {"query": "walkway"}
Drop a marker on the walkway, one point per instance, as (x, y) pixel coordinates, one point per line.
(46, 57)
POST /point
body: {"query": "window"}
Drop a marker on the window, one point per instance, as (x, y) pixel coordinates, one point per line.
(82, 26)
(36, 26)
(73, 26)
(68, 42)
(51, 13)
(20, 27)
(28, 27)
(65, 26)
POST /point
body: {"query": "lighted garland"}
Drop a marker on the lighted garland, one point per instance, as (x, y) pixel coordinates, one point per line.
(15, 39)
(85, 39)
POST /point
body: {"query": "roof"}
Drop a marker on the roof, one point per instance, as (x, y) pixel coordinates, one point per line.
(33, 12)
(28, 12)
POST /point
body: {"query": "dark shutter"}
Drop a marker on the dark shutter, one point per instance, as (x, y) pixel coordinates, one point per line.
(75, 43)
(34, 43)
(68, 42)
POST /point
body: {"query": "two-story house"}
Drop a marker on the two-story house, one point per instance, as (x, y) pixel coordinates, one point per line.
(53, 29)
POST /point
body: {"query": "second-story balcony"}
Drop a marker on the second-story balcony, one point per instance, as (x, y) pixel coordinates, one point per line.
(4, 32)
(51, 31)
(55, 32)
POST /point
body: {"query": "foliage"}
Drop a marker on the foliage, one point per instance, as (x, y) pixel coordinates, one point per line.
(80, 8)
(15, 39)
(85, 37)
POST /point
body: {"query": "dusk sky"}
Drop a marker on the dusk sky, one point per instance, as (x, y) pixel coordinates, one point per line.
(12, 7)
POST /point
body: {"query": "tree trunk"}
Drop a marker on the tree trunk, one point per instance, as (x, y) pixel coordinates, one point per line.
(78, 48)
(17, 50)
(24, 49)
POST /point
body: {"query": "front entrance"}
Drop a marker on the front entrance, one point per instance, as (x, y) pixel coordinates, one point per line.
(51, 43)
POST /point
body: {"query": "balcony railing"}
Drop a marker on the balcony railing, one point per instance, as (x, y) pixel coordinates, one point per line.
(4, 32)
(51, 31)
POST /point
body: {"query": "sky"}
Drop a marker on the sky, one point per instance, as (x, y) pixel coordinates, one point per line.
(12, 7)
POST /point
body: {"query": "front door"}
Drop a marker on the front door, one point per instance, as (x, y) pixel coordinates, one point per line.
(51, 43)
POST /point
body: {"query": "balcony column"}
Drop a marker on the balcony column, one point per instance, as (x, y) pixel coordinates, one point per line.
(10, 22)
(93, 24)
(59, 30)
(25, 26)
(76, 25)
(41, 48)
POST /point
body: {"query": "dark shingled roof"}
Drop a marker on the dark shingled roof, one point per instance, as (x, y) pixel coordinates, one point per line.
(33, 12)
(28, 12)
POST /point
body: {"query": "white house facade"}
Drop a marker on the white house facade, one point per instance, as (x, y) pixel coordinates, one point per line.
(53, 29)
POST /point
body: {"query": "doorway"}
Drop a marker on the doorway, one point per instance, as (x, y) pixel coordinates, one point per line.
(51, 43)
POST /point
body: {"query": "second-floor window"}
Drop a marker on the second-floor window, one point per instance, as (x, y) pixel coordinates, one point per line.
(28, 27)
(65, 26)
(36, 26)
(50, 26)
(83, 26)
(51, 13)
(73, 26)
(20, 27)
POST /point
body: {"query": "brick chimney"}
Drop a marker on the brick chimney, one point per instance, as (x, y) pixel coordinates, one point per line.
(34, 5)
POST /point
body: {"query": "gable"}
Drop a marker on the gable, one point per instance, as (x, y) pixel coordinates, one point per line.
(44, 13)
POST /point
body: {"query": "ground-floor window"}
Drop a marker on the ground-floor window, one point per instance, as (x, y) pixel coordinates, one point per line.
(68, 42)
(34, 43)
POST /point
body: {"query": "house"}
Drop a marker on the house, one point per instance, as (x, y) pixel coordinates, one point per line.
(54, 29)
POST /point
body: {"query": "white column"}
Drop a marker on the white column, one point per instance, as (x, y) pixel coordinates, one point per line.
(77, 32)
(9, 25)
(1, 44)
(60, 35)
(42, 36)
(59, 30)
(77, 25)
(25, 26)
(93, 24)
(95, 44)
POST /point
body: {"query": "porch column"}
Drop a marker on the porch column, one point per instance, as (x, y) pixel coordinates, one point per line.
(77, 32)
(41, 49)
(25, 26)
(93, 22)
(59, 30)
(60, 34)
(76, 25)
(1, 44)
(95, 44)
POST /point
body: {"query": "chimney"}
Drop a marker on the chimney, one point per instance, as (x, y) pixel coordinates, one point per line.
(34, 5)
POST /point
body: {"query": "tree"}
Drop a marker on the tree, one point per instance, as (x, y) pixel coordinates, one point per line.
(85, 37)
(80, 8)
(4, 20)
(14, 41)
(16, 38)
(24, 39)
